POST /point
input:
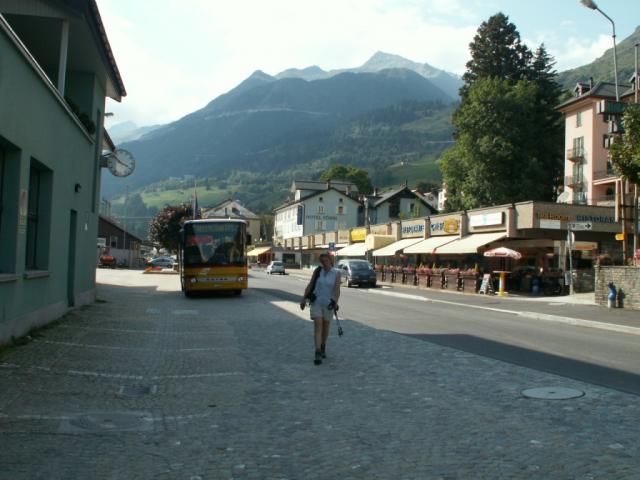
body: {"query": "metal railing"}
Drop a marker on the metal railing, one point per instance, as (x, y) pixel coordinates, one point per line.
(575, 154)
(573, 180)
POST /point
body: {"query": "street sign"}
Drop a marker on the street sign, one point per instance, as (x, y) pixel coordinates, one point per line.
(332, 247)
(579, 225)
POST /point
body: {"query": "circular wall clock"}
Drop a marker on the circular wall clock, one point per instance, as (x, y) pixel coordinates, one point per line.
(121, 163)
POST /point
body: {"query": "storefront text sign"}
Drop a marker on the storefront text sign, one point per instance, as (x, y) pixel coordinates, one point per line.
(550, 224)
(485, 219)
(358, 234)
(413, 228)
(445, 226)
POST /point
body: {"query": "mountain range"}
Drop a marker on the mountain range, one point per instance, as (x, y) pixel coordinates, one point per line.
(391, 116)
(272, 124)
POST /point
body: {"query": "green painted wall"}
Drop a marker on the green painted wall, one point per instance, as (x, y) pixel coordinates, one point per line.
(35, 125)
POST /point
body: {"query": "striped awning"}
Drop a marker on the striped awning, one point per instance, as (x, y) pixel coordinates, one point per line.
(430, 244)
(353, 250)
(395, 247)
(470, 243)
(258, 251)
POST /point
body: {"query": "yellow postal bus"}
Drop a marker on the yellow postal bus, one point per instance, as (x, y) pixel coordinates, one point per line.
(211, 256)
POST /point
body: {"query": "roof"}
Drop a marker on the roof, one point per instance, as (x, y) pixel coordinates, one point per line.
(377, 200)
(105, 46)
(114, 223)
(215, 220)
(237, 209)
(340, 185)
(293, 202)
(599, 90)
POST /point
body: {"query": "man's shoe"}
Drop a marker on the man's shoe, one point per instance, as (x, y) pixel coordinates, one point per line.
(322, 351)
(318, 358)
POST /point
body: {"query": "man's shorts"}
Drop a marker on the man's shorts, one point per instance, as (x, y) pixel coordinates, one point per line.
(319, 309)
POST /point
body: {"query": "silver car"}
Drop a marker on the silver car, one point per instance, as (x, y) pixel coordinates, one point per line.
(275, 267)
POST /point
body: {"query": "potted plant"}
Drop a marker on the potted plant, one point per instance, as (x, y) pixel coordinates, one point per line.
(409, 275)
(469, 280)
(452, 277)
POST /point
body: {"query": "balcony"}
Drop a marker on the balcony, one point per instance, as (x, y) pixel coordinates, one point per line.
(609, 107)
(573, 181)
(580, 198)
(575, 154)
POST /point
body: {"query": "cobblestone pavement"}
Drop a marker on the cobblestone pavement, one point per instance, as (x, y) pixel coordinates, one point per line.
(146, 384)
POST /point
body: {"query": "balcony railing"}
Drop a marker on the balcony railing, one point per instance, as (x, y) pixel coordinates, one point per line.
(575, 154)
(605, 200)
(573, 180)
(609, 107)
(580, 197)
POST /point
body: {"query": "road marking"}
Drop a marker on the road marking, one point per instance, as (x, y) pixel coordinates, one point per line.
(534, 315)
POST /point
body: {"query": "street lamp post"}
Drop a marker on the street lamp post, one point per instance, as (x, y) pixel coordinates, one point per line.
(592, 5)
(623, 187)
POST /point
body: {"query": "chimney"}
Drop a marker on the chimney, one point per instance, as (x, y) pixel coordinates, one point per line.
(348, 190)
(375, 191)
(590, 83)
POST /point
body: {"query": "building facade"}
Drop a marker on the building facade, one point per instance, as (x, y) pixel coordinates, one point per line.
(57, 70)
(234, 209)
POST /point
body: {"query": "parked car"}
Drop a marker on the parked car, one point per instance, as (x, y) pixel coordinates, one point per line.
(163, 262)
(357, 272)
(275, 267)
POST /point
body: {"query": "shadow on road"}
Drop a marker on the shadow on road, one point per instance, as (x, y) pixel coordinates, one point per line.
(566, 367)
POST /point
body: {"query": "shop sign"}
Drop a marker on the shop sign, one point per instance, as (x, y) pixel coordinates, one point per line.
(321, 217)
(595, 219)
(343, 236)
(445, 226)
(550, 224)
(412, 229)
(485, 219)
(379, 229)
(358, 234)
(619, 236)
(551, 216)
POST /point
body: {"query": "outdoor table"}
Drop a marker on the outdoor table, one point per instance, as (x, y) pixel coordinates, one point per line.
(502, 281)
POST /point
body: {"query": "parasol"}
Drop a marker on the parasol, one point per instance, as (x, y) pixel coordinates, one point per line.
(503, 252)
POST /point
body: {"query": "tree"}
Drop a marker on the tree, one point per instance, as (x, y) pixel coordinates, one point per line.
(497, 158)
(625, 153)
(165, 227)
(509, 137)
(358, 176)
(496, 51)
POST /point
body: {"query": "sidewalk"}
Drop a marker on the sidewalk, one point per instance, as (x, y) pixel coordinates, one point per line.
(578, 309)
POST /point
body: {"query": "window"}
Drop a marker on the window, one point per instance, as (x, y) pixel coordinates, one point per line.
(320, 225)
(320, 208)
(340, 210)
(579, 119)
(38, 217)
(113, 241)
(578, 146)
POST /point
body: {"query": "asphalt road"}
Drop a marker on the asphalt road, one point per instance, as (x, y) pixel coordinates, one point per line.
(596, 356)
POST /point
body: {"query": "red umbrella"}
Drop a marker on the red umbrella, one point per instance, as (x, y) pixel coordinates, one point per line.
(503, 252)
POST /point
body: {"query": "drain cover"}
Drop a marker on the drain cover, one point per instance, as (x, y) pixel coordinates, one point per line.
(552, 393)
(108, 422)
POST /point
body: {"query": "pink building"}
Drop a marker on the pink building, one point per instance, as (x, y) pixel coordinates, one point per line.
(590, 128)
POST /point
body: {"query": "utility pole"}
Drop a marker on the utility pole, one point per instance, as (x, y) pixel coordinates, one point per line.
(124, 224)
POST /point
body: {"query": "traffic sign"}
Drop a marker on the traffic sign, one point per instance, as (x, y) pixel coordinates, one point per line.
(579, 225)
(332, 247)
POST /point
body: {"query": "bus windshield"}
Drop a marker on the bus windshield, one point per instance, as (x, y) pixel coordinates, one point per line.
(208, 244)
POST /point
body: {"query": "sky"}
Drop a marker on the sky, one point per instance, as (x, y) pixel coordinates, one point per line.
(175, 56)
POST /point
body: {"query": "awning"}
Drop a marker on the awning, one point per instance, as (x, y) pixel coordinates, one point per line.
(395, 247)
(353, 250)
(258, 251)
(430, 244)
(470, 243)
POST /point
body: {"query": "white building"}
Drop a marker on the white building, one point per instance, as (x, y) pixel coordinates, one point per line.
(317, 207)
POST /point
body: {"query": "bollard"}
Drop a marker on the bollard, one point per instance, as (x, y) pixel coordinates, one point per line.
(620, 298)
(611, 298)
